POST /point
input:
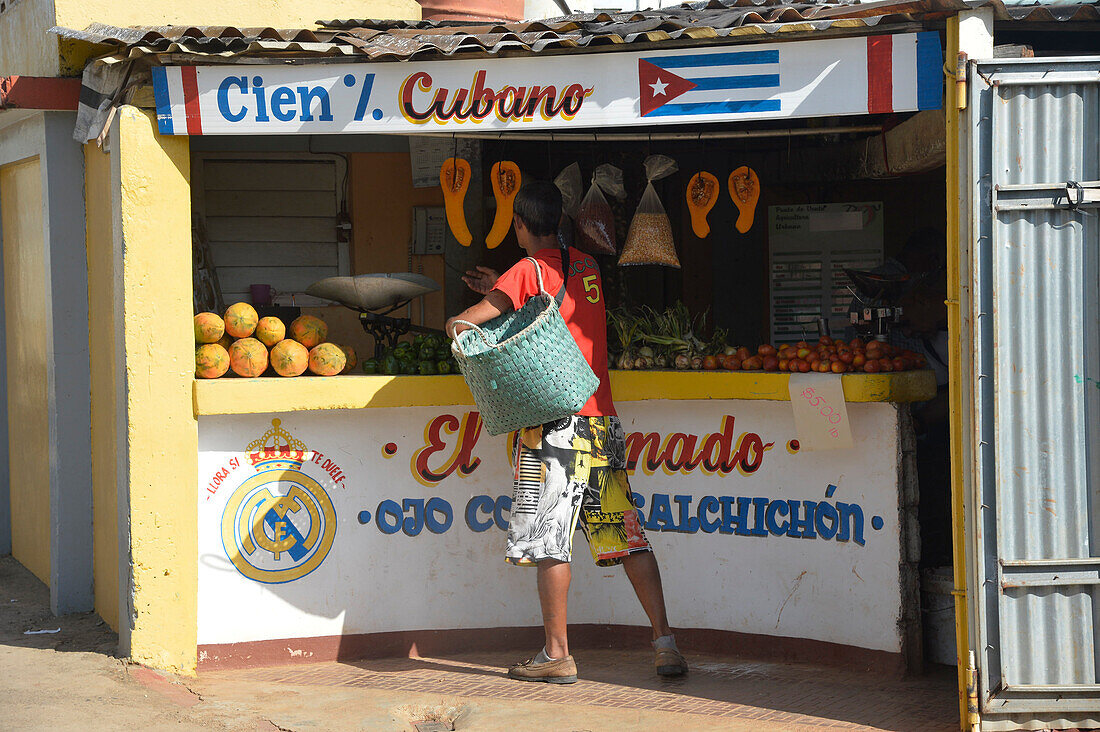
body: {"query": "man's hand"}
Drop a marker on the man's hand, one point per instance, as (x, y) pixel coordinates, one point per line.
(481, 279)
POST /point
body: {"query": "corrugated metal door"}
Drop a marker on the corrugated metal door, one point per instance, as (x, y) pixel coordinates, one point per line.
(1036, 234)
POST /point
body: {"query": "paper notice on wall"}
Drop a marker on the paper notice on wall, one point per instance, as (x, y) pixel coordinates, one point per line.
(426, 156)
(810, 246)
(820, 413)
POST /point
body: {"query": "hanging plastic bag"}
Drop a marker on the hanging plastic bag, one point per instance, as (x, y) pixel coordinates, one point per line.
(649, 240)
(571, 186)
(595, 223)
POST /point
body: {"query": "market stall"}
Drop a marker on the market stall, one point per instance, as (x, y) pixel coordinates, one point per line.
(349, 507)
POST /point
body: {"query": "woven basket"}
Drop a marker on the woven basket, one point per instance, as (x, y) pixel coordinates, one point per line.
(524, 368)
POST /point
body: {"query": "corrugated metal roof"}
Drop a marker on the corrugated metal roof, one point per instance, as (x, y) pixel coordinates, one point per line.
(404, 40)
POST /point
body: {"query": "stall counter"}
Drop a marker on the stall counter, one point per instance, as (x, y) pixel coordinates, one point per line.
(330, 531)
(250, 396)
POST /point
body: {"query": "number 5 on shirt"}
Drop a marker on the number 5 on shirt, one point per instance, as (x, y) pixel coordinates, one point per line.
(591, 288)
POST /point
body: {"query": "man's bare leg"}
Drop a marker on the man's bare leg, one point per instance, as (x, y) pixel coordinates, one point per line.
(554, 577)
(641, 568)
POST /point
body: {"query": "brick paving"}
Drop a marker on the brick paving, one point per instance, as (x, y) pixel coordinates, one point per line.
(801, 696)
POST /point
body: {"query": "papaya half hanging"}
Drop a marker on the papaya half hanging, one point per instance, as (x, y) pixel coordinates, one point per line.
(702, 194)
(745, 192)
(454, 178)
(506, 181)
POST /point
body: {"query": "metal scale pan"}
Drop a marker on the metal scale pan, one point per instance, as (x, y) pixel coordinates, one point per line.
(374, 296)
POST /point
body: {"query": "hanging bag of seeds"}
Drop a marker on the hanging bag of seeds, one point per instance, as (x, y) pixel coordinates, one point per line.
(649, 240)
(595, 223)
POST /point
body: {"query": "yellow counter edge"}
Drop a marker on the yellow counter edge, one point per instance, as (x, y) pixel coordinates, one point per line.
(230, 395)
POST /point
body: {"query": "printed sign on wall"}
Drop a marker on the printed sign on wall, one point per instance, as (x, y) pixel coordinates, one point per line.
(841, 76)
(342, 522)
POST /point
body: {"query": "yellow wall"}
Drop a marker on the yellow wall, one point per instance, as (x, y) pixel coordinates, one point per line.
(25, 45)
(382, 199)
(162, 432)
(241, 13)
(101, 335)
(26, 323)
(27, 48)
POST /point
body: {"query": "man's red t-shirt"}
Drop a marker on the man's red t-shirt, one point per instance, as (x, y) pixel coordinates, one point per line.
(582, 309)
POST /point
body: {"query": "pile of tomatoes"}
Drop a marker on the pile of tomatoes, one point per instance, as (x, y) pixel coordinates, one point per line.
(826, 356)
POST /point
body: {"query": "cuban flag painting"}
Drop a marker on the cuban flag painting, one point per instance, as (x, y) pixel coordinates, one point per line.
(877, 74)
(720, 82)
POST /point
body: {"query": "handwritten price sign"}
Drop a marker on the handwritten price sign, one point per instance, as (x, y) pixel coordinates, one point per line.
(820, 413)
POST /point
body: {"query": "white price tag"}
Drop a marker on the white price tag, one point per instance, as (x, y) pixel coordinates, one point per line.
(820, 413)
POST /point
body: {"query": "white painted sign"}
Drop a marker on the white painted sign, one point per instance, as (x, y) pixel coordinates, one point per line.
(839, 76)
(820, 412)
(345, 522)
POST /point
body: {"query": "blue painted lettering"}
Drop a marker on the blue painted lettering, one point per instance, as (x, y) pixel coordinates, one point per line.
(476, 505)
(743, 503)
(223, 97)
(826, 512)
(775, 508)
(850, 513)
(660, 516)
(802, 526)
(435, 506)
(388, 517)
(730, 522)
(707, 506)
(261, 101)
(759, 505)
(306, 95)
(688, 524)
(280, 99)
(413, 525)
(364, 97)
(503, 506)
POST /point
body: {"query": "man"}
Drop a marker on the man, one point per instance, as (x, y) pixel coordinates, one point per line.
(924, 320)
(922, 253)
(574, 468)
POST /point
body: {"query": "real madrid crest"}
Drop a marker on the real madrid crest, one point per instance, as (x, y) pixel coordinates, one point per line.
(278, 526)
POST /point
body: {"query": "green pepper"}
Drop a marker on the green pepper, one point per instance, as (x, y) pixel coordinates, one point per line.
(402, 347)
(444, 367)
(370, 366)
(427, 353)
(427, 368)
(390, 365)
(434, 340)
(418, 339)
(409, 368)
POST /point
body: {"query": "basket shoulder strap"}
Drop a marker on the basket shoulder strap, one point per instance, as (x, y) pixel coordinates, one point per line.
(560, 297)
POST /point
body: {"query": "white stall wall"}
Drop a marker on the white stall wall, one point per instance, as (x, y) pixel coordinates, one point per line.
(729, 572)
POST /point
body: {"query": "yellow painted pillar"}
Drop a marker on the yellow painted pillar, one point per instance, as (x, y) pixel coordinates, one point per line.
(103, 318)
(159, 448)
(956, 205)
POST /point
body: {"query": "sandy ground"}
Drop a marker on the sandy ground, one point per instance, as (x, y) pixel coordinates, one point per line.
(71, 680)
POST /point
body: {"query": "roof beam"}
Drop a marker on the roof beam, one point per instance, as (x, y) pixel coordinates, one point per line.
(39, 92)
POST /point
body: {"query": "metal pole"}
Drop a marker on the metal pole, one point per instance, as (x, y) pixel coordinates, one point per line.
(655, 136)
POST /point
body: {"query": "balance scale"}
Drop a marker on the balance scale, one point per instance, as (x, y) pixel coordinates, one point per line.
(374, 297)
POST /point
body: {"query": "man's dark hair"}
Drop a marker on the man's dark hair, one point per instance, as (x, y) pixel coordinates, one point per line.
(538, 206)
